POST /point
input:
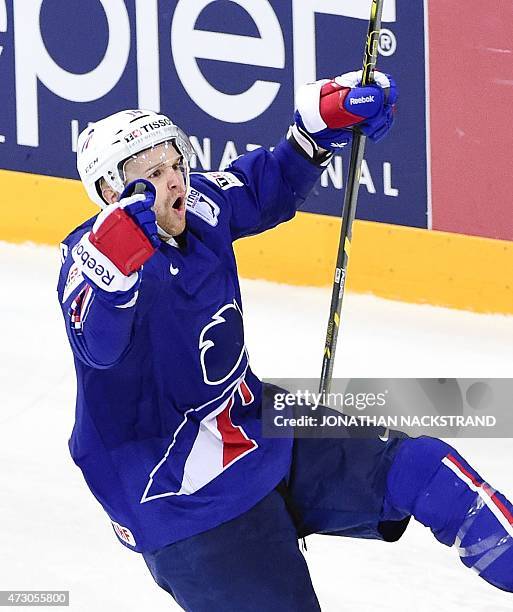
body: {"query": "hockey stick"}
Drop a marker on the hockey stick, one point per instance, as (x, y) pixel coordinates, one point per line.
(349, 210)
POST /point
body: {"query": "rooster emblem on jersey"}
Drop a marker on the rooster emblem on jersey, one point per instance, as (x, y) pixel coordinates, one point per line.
(208, 441)
(221, 345)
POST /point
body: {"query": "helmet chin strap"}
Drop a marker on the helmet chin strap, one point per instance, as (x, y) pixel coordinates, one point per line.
(165, 236)
(162, 233)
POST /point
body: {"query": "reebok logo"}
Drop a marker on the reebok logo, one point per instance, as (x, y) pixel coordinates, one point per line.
(361, 100)
(103, 276)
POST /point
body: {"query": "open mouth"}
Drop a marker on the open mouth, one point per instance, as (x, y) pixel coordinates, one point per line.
(178, 204)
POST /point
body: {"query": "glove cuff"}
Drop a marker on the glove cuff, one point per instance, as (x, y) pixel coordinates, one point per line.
(99, 269)
(304, 144)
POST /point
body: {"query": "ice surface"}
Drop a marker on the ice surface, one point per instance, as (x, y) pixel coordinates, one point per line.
(53, 534)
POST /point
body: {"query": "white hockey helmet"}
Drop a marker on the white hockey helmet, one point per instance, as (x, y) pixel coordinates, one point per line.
(104, 146)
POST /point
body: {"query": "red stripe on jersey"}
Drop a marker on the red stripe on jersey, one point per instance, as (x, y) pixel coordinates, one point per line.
(245, 393)
(235, 443)
(466, 472)
(77, 304)
(507, 514)
(483, 485)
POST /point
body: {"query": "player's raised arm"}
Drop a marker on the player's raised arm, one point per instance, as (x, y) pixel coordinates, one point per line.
(100, 281)
(134, 165)
(327, 111)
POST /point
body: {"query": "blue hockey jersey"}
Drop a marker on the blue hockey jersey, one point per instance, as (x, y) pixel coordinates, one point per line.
(167, 429)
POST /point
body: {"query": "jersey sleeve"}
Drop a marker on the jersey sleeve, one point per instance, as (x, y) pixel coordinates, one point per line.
(275, 184)
(99, 333)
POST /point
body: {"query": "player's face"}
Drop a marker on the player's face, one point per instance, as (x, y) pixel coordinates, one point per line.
(162, 165)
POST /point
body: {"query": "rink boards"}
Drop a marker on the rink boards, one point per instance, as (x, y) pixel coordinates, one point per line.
(392, 261)
(226, 72)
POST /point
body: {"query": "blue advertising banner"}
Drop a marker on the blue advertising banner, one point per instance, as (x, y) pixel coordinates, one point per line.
(224, 70)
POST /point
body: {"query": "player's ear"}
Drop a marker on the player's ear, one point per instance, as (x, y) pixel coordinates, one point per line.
(108, 194)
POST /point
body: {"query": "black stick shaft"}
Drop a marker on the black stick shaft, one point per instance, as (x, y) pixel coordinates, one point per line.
(349, 210)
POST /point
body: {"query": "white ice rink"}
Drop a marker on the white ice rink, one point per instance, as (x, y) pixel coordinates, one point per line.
(53, 535)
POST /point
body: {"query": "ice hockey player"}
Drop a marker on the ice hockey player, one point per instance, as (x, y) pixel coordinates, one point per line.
(168, 416)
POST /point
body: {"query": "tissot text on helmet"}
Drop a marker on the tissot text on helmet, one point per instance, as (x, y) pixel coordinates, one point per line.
(147, 128)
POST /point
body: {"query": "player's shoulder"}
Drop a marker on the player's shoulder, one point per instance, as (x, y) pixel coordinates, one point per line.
(70, 277)
(74, 236)
(218, 181)
(210, 193)
(79, 231)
